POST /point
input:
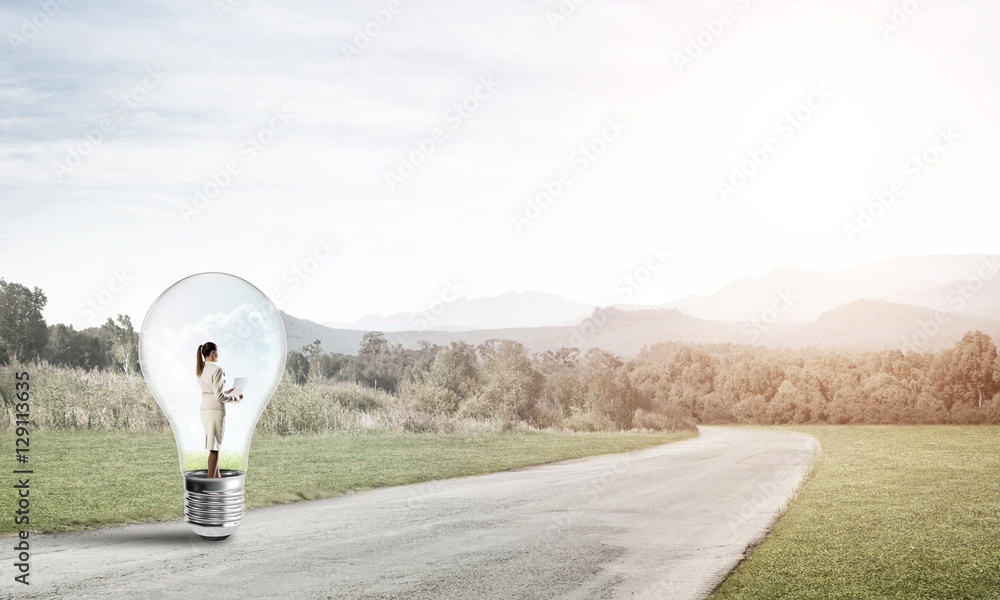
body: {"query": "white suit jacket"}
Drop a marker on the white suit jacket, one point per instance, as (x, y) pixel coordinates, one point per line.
(212, 380)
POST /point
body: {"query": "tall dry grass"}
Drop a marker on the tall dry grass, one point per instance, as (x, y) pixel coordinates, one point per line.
(74, 399)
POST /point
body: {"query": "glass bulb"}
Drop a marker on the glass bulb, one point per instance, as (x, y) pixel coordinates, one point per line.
(250, 337)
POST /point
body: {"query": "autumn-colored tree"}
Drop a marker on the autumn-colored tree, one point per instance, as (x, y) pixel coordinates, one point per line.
(975, 372)
(789, 405)
(602, 359)
(692, 375)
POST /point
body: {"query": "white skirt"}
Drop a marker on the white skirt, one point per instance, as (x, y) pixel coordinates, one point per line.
(214, 422)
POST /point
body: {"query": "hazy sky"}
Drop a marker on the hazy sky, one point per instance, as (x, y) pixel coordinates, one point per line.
(385, 156)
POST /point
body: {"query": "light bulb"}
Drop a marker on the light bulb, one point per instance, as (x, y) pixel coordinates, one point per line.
(250, 337)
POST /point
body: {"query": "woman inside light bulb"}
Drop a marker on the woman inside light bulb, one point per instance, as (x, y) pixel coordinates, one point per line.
(211, 378)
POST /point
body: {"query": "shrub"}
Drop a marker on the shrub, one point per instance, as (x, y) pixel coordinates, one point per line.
(611, 394)
(429, 397)
(586, 420)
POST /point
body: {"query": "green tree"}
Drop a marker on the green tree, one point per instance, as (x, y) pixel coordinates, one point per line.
(123, 343)
(566, 392)
(381, 364)
(652, 381)
(334, 365)
(297, 365)
(456, 369)
(511, 386)
(422, 359)
(311, 351)
(563, 361)
(611, 394)
(71, 348)
(23, 333)
(374, 347)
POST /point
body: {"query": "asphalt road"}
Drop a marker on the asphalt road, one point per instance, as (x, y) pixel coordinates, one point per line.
(668, 522)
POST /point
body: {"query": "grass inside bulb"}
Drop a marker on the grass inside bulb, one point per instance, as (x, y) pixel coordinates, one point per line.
(248, 340)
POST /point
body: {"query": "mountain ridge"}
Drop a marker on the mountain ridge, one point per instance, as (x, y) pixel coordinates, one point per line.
(909, 302)
(509, 309)
(862, 325)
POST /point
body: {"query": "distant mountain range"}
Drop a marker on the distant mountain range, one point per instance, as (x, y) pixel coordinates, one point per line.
(511, 309)
(948, 283)
(920, 303)
(858, 326)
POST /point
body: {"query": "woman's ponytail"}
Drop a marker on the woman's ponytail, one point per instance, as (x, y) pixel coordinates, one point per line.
(204, 351)
(200, 362)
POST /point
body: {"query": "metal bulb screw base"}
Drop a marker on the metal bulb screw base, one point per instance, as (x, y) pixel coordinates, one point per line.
(213, 506)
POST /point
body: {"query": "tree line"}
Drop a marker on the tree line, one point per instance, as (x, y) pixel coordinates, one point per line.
(675, 384)
(496, 379)
(667, 385)
(25, 337)
(959, 385)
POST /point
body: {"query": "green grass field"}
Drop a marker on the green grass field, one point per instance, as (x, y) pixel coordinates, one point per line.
(198, 459)
(907, 512)
(92, 479)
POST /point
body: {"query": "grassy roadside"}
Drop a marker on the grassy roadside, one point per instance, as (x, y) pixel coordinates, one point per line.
(907, 512)
(92, 479)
